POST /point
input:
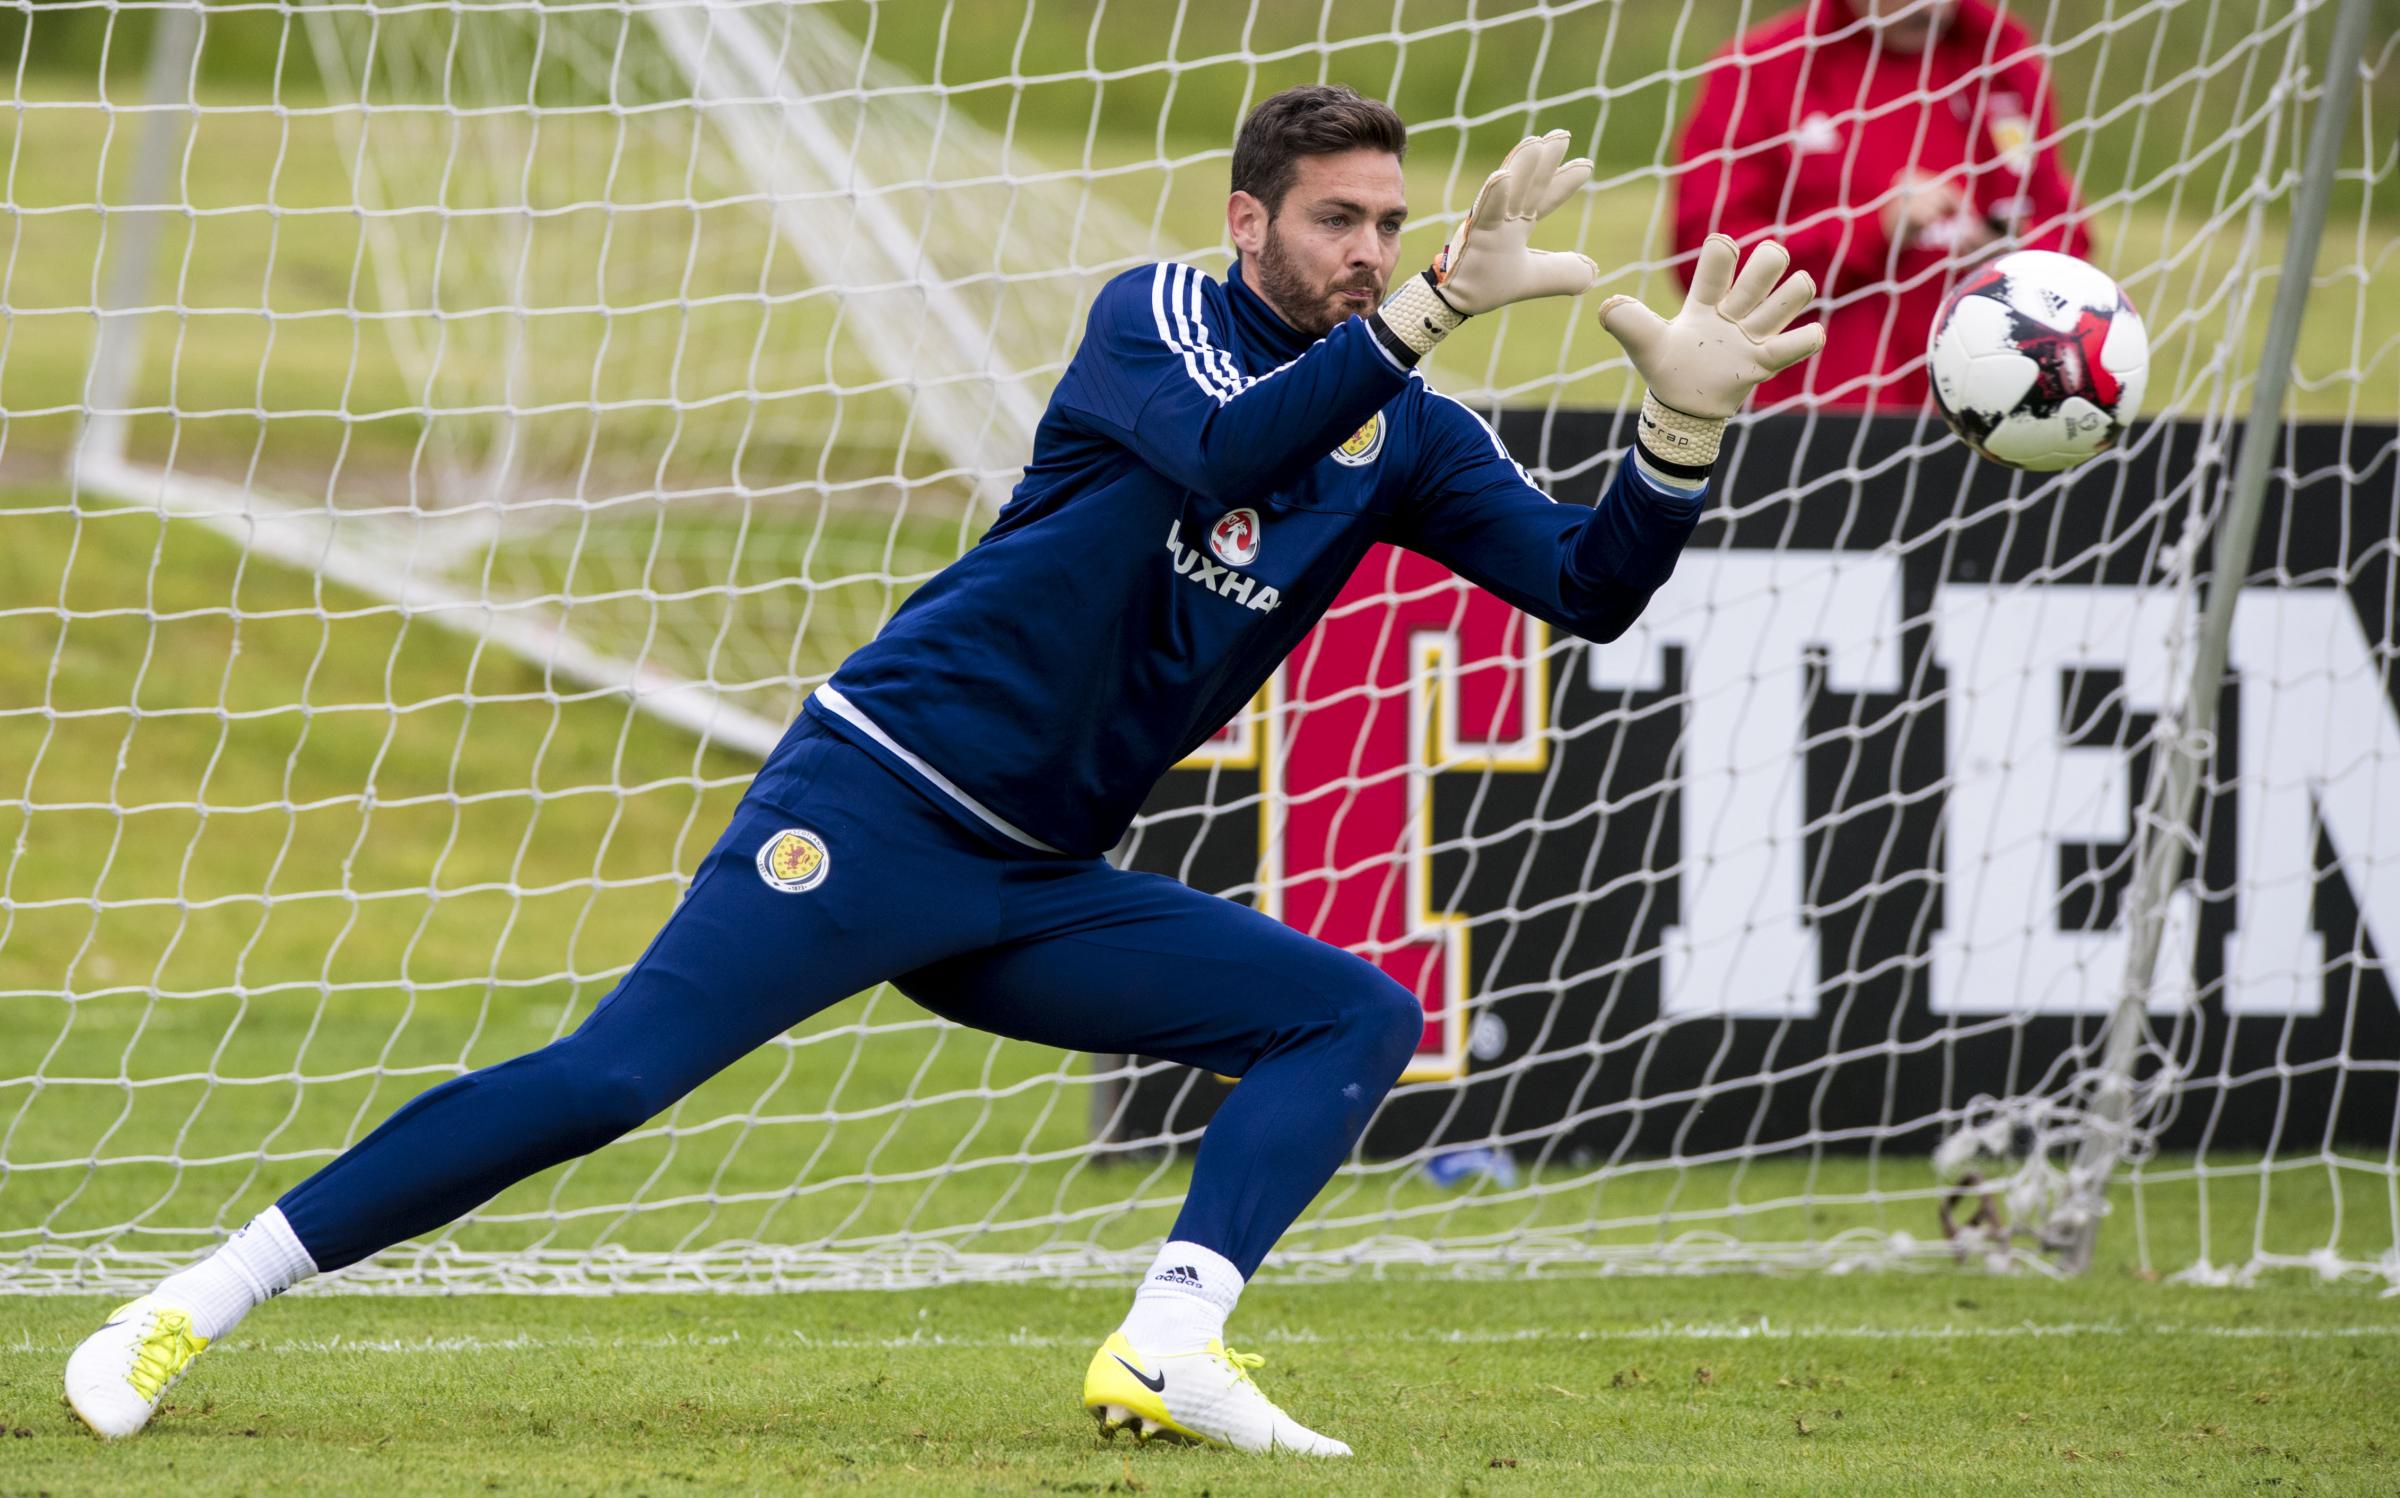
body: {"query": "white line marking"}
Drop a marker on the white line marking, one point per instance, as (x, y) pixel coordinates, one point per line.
(1763, 1331)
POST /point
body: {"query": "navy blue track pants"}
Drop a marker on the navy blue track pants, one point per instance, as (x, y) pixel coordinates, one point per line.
(835, 875)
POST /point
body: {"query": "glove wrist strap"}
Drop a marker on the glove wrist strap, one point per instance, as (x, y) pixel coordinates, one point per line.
(1677, 440)
(1415, 318)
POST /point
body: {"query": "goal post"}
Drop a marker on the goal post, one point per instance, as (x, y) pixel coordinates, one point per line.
(442, 443)
(2164, 836)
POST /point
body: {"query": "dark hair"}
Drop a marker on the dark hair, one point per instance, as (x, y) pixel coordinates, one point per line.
(1316, 119)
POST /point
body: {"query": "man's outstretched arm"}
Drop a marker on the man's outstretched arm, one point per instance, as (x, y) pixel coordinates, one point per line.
(1587, 571)
(1153, 376)
(1593, 571)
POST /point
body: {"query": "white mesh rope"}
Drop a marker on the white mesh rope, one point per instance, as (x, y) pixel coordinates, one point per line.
(441, 443)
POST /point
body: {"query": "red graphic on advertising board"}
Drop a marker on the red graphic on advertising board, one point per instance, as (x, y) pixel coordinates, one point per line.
(1412, 673)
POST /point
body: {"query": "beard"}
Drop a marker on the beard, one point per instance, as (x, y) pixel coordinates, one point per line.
(1304, 303)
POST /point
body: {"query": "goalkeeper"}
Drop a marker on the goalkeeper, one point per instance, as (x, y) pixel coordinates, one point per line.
(1216, 459)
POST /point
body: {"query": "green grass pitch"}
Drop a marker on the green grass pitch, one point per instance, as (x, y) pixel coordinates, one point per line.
(197, 1009)
(1946, 1382)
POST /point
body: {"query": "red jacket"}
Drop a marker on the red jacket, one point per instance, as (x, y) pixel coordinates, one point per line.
(1801, 127)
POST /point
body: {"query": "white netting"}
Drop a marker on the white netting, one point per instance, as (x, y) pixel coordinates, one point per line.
(443, 442)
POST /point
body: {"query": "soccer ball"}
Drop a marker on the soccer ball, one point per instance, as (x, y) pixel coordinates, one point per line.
(2039, 361)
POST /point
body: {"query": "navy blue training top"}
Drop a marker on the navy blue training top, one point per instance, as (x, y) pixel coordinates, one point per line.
(1203, 483)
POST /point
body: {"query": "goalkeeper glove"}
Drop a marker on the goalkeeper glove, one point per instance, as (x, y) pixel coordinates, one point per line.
(1730, 337)
(1488, 263)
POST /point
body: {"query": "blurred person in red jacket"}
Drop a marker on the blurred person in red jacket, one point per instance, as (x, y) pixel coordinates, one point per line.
(1887, 144)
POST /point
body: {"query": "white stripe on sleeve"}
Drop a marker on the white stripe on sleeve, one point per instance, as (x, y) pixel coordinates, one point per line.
(1497, 445)
(1165, 288)
(1176, 306)
(1228, 376)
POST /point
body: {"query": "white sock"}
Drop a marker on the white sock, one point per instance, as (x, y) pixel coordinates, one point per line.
(256, 1264)
(1184, 1298)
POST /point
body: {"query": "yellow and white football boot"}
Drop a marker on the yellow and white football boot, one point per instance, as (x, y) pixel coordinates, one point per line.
(1203, 1396)
(116, 1377)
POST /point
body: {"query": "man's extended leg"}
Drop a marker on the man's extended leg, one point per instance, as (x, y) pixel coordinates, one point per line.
(1096, 959)
(755, 947)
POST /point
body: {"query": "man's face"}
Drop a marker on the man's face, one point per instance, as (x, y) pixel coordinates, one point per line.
(1329, 252)
(1905, 25)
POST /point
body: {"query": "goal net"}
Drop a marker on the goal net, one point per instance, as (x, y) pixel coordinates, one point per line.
(444, 442)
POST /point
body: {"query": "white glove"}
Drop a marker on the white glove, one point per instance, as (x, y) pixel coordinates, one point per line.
(1729, 339)
(1489, 261)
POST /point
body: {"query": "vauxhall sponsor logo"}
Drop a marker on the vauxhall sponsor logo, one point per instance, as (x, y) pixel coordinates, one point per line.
(1235, 538)
(1242, 541)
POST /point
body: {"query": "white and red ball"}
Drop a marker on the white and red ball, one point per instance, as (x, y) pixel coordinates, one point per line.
(2039, 361)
